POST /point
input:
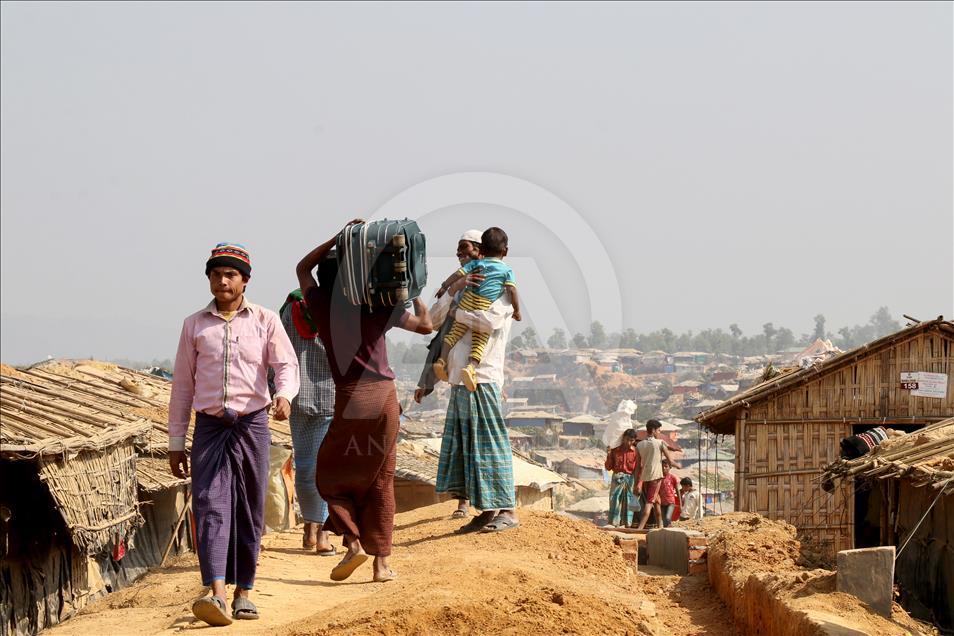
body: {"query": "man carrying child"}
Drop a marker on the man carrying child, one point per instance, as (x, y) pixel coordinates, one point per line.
(498, 277)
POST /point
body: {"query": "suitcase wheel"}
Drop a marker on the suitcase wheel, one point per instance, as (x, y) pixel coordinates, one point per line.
(398, 240)
(401, 294)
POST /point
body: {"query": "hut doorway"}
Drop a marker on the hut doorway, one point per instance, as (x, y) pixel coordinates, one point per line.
(871, 505)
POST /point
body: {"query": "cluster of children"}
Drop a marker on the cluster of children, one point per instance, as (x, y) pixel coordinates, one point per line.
(491, 279)
(642, 482)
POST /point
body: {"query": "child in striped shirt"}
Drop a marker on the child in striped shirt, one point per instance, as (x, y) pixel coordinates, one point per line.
(497, 279)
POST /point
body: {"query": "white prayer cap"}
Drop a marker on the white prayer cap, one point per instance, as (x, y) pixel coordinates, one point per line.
(472, 235)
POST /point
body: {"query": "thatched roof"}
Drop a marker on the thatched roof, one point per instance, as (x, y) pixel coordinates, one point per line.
(416, 462)
(721, 418)
(43, 412)
(61, 406)
(924, 458)
(153, 474)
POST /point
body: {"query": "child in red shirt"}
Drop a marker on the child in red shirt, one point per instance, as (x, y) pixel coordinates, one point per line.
(668, 497)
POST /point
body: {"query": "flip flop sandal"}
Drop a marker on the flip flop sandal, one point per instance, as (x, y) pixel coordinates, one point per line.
(440, 370)
(475, 524)
(211, 609)
(499, 525)
(346, 569)
(244, 609)
(459, 514)
(390, 576)
(329, 552)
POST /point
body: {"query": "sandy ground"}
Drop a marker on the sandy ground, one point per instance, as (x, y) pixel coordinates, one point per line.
(551, 575)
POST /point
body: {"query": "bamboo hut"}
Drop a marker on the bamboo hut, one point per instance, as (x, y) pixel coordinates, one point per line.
(87, 502)
(911, 505)
(789, 427)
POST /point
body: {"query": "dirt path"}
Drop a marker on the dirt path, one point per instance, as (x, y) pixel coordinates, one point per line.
(551, 575)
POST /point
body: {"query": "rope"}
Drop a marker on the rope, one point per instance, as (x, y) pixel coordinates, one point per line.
(718, 474)
(702, 501)
(923, 517)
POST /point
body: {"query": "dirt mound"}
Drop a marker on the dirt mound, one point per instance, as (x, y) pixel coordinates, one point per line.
(751, 543)
(544, 610)
(553, 574)
(754, 566)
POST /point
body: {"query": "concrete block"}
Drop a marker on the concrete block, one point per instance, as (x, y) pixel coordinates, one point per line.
(669, 548)
(868, 573)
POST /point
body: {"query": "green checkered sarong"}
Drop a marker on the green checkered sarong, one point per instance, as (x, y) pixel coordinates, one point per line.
(476, 460)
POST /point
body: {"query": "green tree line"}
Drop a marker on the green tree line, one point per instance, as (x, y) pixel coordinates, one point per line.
(732, 340)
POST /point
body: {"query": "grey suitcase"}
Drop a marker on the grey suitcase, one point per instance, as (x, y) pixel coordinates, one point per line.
(382, 263)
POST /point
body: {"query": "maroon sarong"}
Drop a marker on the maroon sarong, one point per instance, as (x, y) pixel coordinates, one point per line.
(651, 490)
(355, 472)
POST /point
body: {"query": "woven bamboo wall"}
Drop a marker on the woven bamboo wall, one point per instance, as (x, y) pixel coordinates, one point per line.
(778, 470)
(96, 494)
(870, 388)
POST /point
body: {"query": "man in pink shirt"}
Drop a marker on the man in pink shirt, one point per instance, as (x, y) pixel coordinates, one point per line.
(221, 373)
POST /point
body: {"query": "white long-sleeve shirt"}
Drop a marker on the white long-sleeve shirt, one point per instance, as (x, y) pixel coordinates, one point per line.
(496, 321)
(690, 508)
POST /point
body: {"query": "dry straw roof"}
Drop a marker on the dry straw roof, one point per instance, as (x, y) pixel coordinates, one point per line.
(718, 418)
(925, 458)
(63, 406)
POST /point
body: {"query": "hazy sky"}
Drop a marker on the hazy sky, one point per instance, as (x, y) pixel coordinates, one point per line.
(745, 163)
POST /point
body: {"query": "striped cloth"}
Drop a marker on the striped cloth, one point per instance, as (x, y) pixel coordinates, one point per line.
(476, 461)
(470, 301)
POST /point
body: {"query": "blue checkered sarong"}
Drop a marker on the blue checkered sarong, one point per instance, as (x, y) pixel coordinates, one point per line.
(476, 461)
(307, 434)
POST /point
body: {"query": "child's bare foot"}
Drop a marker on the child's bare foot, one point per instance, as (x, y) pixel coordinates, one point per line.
(440, 370)
(469, 376)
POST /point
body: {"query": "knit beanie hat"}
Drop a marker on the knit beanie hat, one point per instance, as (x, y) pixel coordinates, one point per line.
(230, 255)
